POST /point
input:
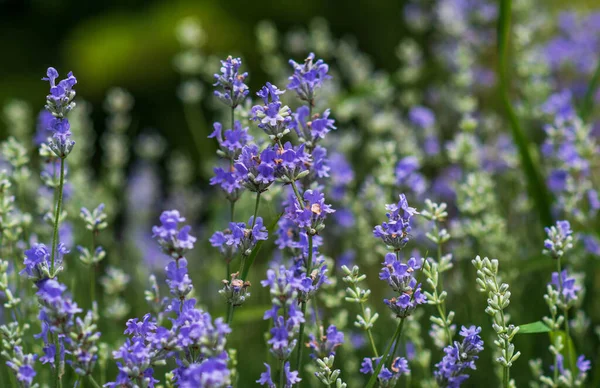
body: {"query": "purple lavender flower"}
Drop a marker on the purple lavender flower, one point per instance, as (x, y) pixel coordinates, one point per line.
(400, 278)
(22, 366)
(232, 82)
(310, 283)
(312, 129)
(265, 377)
(395, 232)
(256, 169)
(422, 117)
(583, 365)
(173, 240)
(273, 117)
(387, 378)
(37, 262)
(59, 103)
(231, 141)
(210, 373)
(239, 237)
(566, 286)
(407, 175)
(284, 292)
(229, 181)
(43, 127)
(459, 358)
(559, 239)
(326, 344)
(341, 175)
(292, 163)
(312, 215)
(559, 105)
(307, 77)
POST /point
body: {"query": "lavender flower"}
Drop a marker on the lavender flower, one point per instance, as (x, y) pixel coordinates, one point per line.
(307, 77)
(273, 117)
(59, 103)
(210, 373)
(395, 232)
(239, 237)
(312, 215)
(236, 290)
(459, 358)
(326, 344)
(387, 378)
(400, 278)
(265, 377)
(234, 89)
(229, 181)
(23, 366)
(256, 169)
(559, 239)
(422, 117)
(312, 129)
(173, 240)
(37, 262)
(566, 286)
(231, 141)
(407, 175)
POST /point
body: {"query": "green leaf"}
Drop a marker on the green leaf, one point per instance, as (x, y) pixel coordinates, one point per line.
(252, 257)
(533, 328)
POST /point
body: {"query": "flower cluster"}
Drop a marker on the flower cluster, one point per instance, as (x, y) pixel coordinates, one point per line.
(401, 279)
(173, 240)
(460, 357)
(312, 213)
(387, 377)
(559, 240)
(312, 129)
(273, 117)
(59, 103)
(307, 77)
(232, 82)
(231, 141)
(396, 232)
(326, 344)
(239, 237)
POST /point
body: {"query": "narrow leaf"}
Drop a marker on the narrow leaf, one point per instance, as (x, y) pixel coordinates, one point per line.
(533, 328)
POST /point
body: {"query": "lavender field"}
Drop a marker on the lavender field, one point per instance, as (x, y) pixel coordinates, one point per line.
(195, 196)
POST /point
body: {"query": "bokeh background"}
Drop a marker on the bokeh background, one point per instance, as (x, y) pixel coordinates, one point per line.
(132, 44)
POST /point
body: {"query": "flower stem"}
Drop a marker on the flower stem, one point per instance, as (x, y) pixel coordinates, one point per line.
(230, 314)
(57, 378)
(385, 354)
(255, 209)
(282, 374)
(93, 381)
(57, 214)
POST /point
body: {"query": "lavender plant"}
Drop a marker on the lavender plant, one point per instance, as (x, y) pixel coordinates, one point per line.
(299, 177)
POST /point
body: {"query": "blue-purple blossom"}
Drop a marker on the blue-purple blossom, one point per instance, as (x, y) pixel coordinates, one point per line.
(210, 373)
(326, 344)
(38, 262)
(459, 358)
(422, 117)
(273, 117)
(401, 279)
(308, 77)
(173, 240)
(22, 366)
(583, 365)
(340, 177)
(255, 168)
(559, 239)
(239, 237)
(265, 377)
(566, 286)
(312, 129)
(312, 215)
(396, 232)
(229, 181)
(231, 141)
(234, 90)
(407, 175)
(59, 103)
(387, 377)
(43, 127)
(310, 283)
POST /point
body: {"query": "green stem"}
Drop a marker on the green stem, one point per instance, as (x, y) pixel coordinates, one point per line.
(57, 214)
(93, 381)
(57, 378)
(229, 313)
(282, 374)
(385, 354)
(93, 269)
(588, 101)
(536, 185)
(303, 307)
(256, 204)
